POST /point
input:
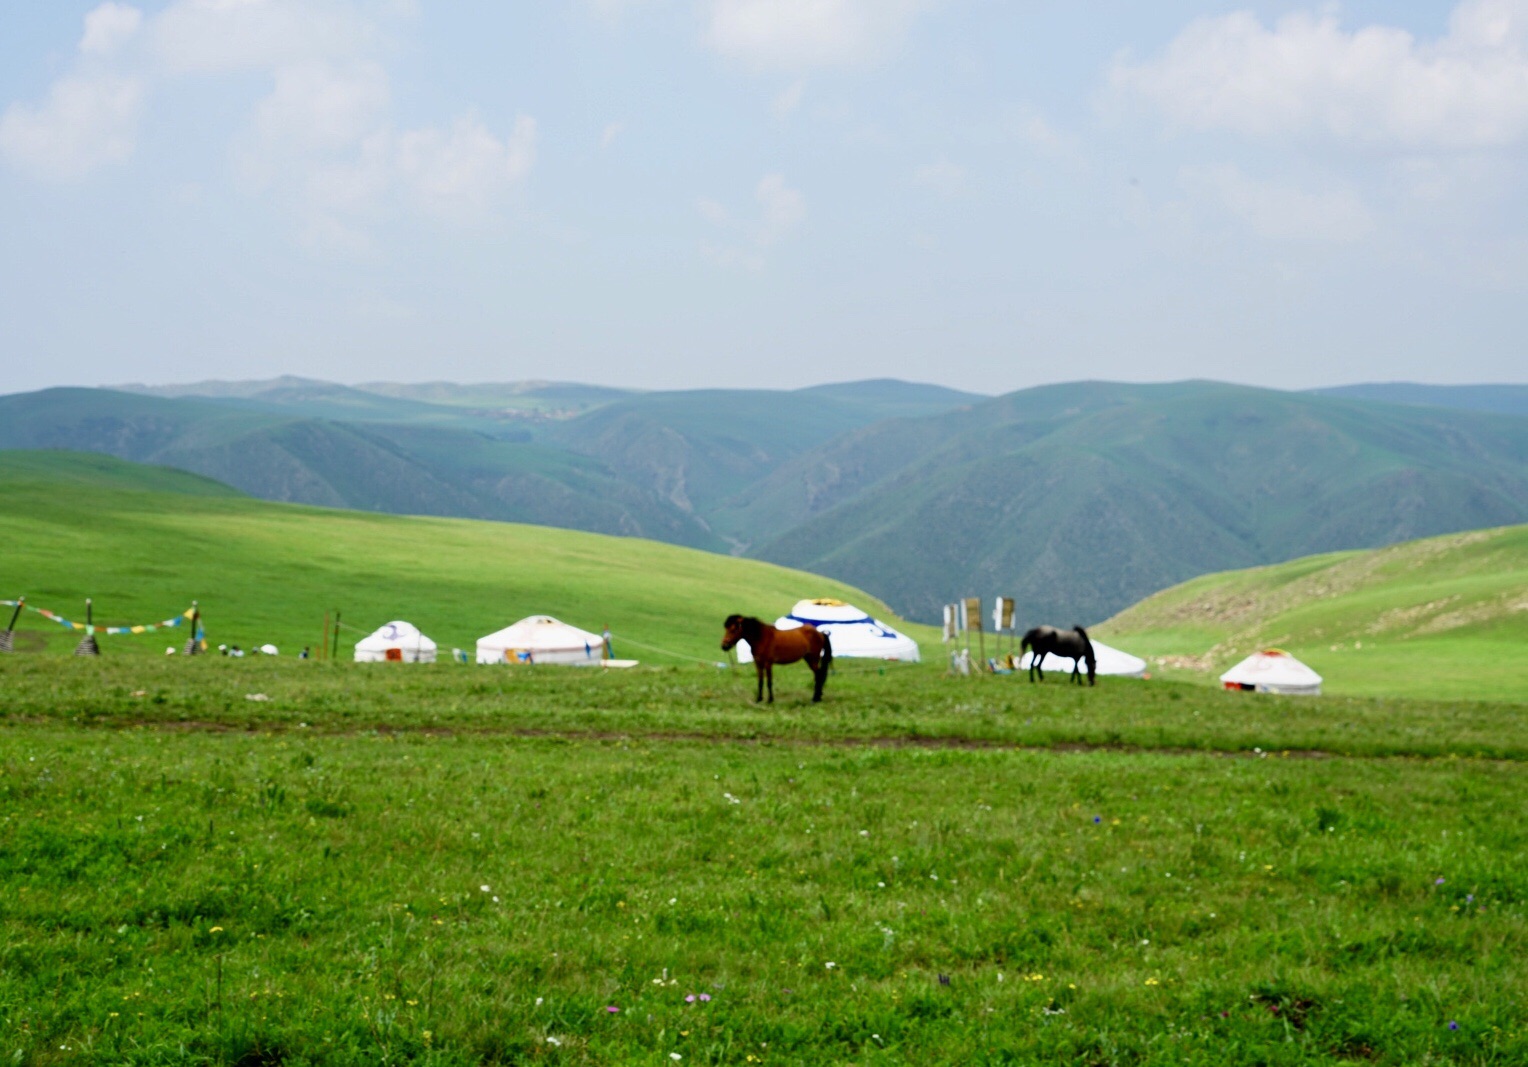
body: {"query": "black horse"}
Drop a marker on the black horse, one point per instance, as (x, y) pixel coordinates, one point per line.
(1070, 644)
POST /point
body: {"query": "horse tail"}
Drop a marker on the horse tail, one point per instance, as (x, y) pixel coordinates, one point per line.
(827, 650)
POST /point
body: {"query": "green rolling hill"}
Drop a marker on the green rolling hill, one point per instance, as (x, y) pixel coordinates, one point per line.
(698, 448)
(404, 468)
(1078, 499)
(1081, 499)
(144, 542)
(1441, 617)
(1501, 399)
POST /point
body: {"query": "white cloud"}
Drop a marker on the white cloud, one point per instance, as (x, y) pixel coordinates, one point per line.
(315, 106)
(1279, 212)
(322, 142)
(609, 134)
(456, 174)
(90, 116)
(232, 36)
(108, 28)
(800, 34)
(84, 123)
(942, 177)
(781, 211)
(1307, 76)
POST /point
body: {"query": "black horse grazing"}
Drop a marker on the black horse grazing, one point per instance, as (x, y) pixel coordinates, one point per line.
(770, 646)
(1070, 644)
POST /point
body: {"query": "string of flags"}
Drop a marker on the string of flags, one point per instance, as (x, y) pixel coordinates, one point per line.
(146, 628)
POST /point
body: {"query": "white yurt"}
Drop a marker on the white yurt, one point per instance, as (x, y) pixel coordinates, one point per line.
(855, 635)
(397, 642)
(1273, 671)
(542, 639)
(1110, 661)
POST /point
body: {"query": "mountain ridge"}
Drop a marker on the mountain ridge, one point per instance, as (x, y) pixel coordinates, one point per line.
(1078, 498)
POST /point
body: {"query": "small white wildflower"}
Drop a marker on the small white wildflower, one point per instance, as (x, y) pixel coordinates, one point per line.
(485, 889)
(675, 1056)
(830, 965)
(538, 1002)
(554, 1041)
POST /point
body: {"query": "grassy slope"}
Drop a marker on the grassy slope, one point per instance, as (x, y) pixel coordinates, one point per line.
(74, 471)
(413, 469)
(1446, 616)
(266, 572)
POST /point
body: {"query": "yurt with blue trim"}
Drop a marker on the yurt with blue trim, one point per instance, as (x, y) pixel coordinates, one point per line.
(855, 634)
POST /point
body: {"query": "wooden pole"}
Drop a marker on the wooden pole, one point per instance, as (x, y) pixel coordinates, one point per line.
(88, 646)
(193, 645)
(336, 653)
(8, 635)
(323, 647)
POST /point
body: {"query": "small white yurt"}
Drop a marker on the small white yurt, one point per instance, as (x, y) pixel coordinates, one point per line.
(855, 635)
(1273, 671)
(542, 639)
(1110, 661)
(397, 642)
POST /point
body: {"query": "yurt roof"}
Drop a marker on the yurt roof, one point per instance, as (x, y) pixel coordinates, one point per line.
(1272, 666)
(396, 634)
(542, 632)
(854, 632)
(827, 610)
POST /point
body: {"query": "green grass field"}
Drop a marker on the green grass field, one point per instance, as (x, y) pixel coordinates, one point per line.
(146, 541)
(270, 861)
(1445, 617)
(459, 865)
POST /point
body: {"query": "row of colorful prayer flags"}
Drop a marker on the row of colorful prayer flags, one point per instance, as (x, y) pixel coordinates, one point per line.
(67, 624)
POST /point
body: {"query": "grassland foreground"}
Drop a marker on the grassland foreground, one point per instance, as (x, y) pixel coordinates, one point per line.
(455, 866)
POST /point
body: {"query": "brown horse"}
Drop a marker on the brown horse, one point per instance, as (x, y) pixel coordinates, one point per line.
(771, 646)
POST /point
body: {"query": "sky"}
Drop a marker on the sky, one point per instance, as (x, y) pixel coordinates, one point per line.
(986, 194)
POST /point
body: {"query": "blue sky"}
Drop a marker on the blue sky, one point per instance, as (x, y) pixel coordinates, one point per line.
(675, 193)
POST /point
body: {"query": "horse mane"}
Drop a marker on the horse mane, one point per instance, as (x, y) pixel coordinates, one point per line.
(750, 625)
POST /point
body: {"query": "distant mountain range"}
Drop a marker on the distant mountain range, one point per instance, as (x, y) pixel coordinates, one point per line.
(1079, 499)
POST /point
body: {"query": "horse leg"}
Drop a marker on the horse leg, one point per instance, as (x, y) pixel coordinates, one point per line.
(758, 669)
(769, 672)
(819, 676)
